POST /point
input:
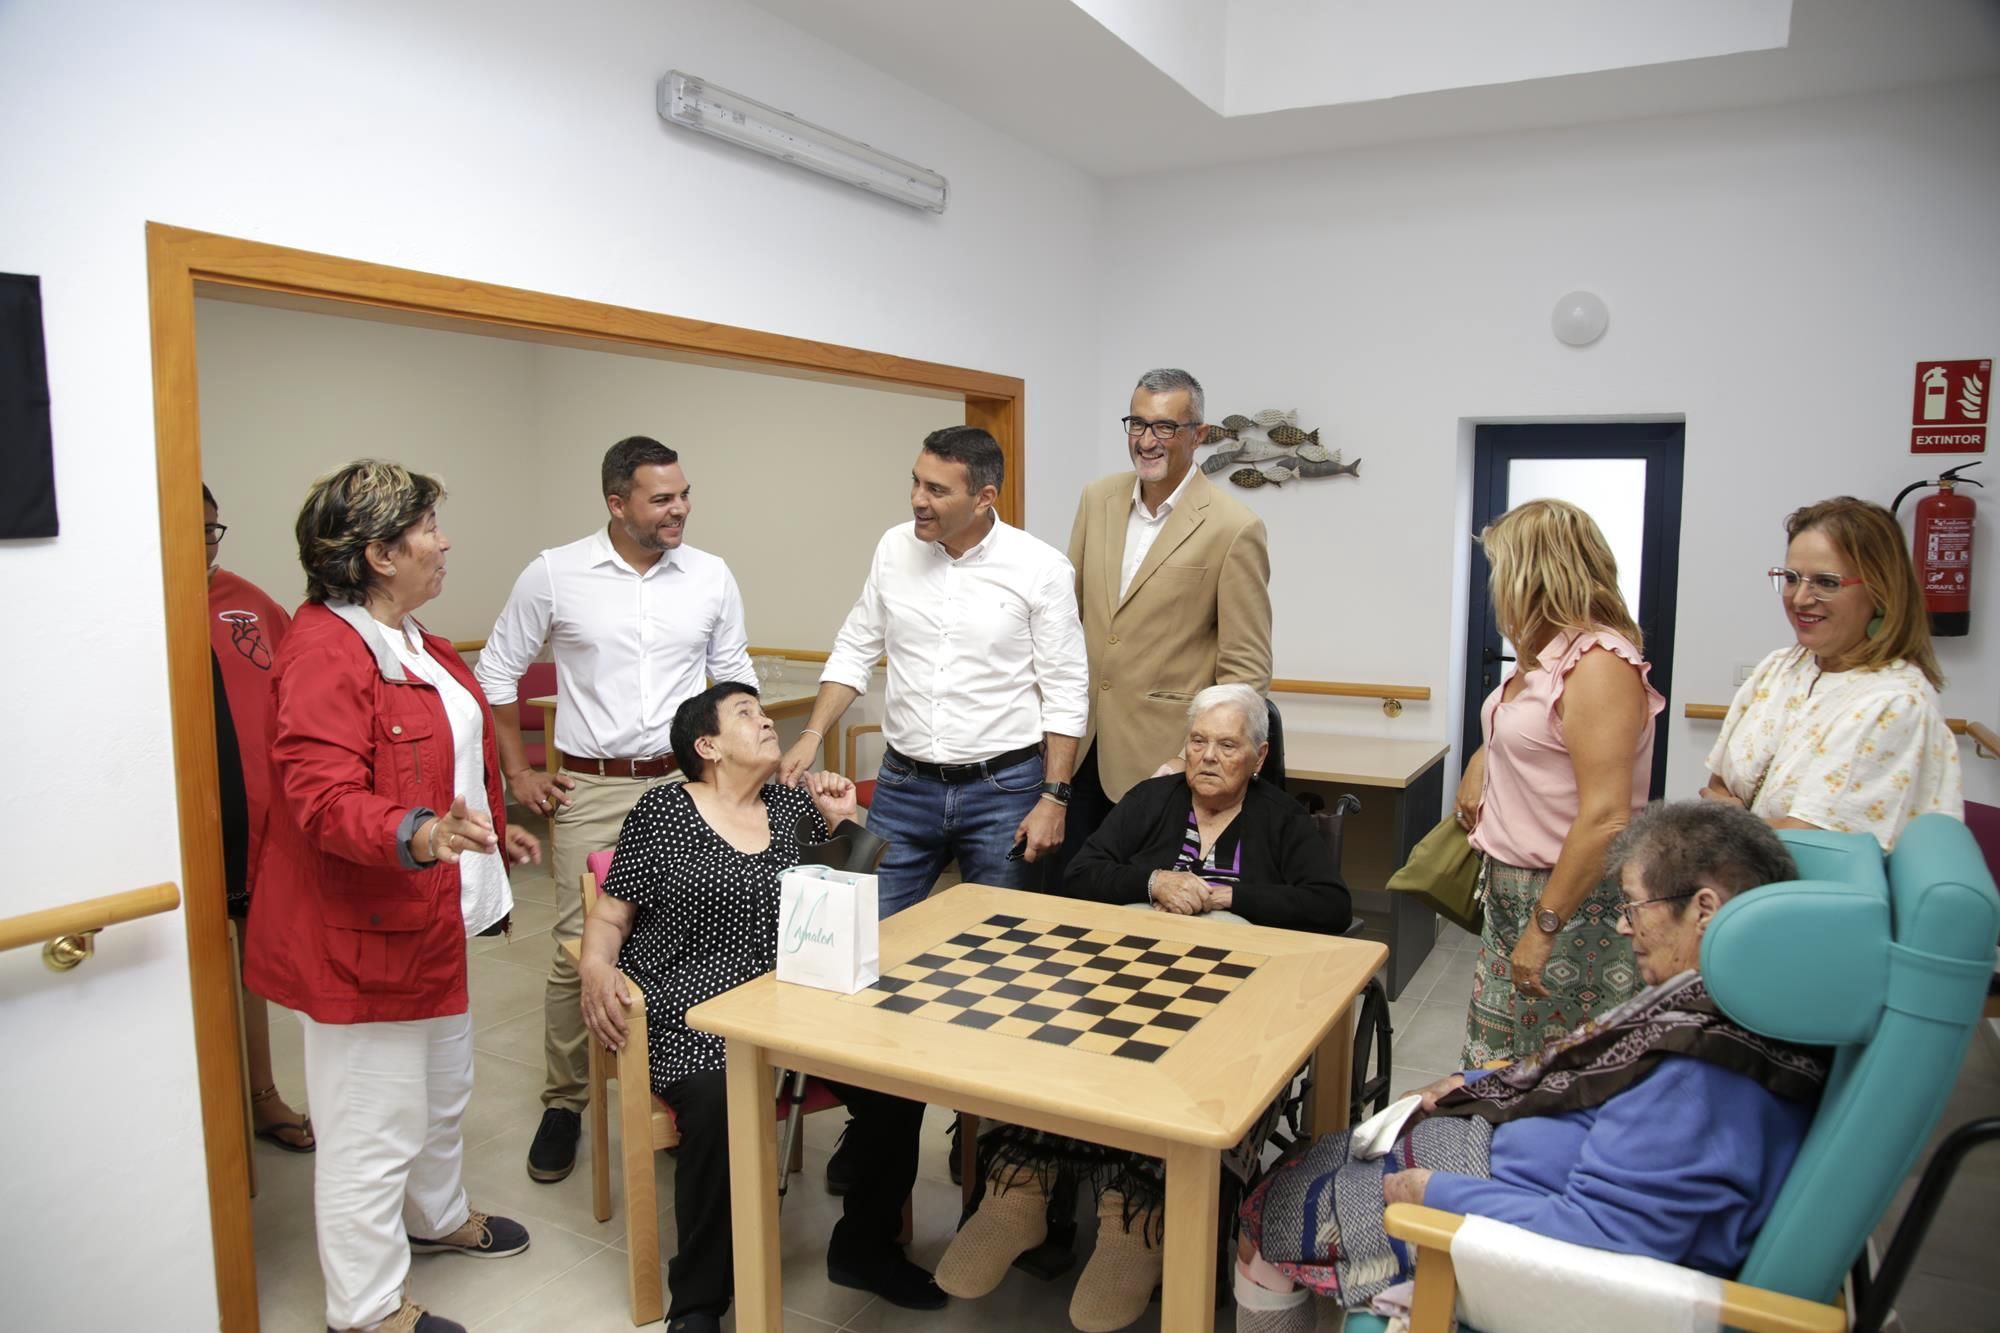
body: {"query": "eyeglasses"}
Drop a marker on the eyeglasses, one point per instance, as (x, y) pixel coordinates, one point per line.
(212, 532)
(1162, 430)
(1626, 908)
(1821, 587)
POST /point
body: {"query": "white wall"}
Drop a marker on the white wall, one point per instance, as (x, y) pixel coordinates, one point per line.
(515, 142)
(517, 432)
(1773, 275)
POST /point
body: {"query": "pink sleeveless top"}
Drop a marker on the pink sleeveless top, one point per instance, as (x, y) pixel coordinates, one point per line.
(1530, 799)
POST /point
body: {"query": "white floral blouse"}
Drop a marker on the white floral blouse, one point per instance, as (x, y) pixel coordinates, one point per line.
(1853, 751)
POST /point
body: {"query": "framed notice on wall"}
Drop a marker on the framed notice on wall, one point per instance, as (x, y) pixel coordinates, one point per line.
(27, 452)
(1952, 402)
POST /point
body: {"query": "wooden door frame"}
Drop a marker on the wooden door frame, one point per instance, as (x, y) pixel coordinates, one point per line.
(178, 263)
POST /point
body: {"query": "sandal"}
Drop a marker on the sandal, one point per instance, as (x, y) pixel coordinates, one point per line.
(277, 1130)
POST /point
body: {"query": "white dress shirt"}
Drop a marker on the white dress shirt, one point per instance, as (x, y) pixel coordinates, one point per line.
(484, 895)
(1143, 529)
(985, 651)
(629, 646)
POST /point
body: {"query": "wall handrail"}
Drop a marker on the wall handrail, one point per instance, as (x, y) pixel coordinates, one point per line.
(1347, 689)
(91, 914)
(1985, 740)
(1340, 689)
(1716, 712)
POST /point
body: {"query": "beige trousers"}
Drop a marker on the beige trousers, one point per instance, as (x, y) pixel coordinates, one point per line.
(589, 823)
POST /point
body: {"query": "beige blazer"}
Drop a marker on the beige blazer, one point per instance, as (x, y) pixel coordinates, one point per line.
(1198, 613)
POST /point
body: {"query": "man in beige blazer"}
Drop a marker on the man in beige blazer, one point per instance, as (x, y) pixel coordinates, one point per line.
(1173, 585)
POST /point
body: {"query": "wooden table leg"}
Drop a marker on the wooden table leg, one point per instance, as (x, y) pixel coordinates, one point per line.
(753, 1187)
(1194, 1188)
(1333, 1077)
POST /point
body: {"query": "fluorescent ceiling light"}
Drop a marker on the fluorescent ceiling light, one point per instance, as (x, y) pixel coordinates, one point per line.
(697, 104)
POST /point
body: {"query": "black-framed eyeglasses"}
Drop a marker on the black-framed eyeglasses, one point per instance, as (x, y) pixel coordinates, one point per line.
(1162, 430)
(1822, 587)
(1626, 908)
(213, 532)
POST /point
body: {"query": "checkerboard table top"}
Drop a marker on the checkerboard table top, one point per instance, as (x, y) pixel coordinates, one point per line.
(1212, 1079)
(1128, 994)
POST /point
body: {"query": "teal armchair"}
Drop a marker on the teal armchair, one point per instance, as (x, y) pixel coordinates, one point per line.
(1885, 959)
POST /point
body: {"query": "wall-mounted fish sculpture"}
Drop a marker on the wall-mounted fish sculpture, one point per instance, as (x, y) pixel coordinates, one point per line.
(1252, 477)
(1287, 434)
(1214, 434)
(1271, 416)
(1256, 449)
(1329, 467)
(1238, 422)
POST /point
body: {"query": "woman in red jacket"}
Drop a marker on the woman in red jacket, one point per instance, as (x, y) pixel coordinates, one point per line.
(366, 893)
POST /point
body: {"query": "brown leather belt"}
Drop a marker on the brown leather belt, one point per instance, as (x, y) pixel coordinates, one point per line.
(619, 768)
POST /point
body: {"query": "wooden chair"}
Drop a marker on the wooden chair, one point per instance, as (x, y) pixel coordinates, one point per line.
(646, 1126)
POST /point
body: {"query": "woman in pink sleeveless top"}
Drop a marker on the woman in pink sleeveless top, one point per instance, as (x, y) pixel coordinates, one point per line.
(1567, 761)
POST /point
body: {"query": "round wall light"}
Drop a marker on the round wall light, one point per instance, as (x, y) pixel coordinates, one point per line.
(1580, 318)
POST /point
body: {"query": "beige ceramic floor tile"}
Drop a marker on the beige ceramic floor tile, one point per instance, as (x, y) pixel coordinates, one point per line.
(502, 990)
(592, 1298)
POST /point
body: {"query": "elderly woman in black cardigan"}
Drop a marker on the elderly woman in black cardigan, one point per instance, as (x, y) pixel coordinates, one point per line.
(1211, 841)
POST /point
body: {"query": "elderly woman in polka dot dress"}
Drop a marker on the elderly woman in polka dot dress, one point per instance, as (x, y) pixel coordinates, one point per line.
(689, 910)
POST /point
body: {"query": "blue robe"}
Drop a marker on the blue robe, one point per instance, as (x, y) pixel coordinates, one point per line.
(1683, 1166)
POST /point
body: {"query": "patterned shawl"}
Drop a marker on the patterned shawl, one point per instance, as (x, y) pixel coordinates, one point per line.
(1602, 1058)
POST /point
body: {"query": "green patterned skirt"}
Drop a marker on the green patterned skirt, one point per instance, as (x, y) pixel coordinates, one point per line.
(1589, 970)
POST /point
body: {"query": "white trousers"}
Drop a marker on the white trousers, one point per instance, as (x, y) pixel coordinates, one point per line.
(387, 1102)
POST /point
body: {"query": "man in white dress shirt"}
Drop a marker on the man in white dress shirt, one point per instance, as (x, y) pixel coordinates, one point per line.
(988, 688)
(639, 621)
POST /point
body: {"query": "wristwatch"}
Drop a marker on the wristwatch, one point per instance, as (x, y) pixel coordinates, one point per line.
(1056, 791)
(1548, 922)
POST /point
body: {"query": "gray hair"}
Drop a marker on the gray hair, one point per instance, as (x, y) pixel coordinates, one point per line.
(1168, 380)
(1256, 714)
(1681, 846)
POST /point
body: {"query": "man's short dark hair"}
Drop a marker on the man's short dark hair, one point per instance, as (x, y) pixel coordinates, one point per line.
(698, 717)
(624, 459)
(984, 464)
(208, 498)
(1681, 846)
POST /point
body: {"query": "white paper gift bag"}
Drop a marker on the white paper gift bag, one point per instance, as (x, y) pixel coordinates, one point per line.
(828, 934)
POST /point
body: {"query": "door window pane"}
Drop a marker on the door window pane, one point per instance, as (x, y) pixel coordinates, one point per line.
(1611, 490)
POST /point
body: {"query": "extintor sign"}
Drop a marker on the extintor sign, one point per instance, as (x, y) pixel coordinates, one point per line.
(1951, 406)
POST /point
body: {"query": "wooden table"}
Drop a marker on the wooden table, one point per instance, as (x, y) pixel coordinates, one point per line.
(1401, 787)
(781, 699)
(1187, 1107)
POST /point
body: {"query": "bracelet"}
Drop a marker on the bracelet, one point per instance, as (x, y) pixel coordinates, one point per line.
(435, 821)
(1049, 796)
(812, 731)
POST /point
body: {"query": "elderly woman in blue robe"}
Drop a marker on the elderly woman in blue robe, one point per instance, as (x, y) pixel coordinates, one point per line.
(1660, 1129)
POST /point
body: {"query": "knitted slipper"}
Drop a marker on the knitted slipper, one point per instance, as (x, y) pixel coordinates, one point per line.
(1117, 1283)
(1011, 1220)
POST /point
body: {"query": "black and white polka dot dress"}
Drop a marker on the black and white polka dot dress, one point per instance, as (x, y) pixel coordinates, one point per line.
(707, 918)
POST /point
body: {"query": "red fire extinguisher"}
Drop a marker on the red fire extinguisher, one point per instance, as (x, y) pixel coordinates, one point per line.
(1942, 550)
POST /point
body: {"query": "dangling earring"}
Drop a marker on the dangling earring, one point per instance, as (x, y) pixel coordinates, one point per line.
(1875, 625)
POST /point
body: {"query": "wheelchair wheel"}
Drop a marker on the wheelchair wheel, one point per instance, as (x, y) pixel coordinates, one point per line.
(1372, 1038)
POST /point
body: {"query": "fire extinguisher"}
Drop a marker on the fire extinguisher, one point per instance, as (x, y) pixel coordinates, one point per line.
(1942, 550)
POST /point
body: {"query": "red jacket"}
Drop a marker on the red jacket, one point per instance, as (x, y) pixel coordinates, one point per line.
(345, 927)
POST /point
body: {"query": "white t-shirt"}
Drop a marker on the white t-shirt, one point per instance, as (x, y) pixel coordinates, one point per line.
(484, 895)
(1852, 751)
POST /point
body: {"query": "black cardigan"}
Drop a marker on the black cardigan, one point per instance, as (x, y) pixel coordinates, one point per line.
(1289, 879)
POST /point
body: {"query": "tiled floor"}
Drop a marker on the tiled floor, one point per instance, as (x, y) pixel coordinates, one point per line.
(573, 1276)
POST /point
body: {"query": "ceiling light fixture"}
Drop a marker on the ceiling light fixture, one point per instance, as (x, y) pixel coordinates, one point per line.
(696, 104)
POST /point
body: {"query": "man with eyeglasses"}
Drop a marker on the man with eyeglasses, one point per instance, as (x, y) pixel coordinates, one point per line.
(1173, 583)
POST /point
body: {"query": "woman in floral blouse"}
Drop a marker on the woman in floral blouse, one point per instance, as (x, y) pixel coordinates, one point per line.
(1841, 729)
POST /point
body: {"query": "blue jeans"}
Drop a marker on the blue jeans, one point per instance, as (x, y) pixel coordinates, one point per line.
(928, 823)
